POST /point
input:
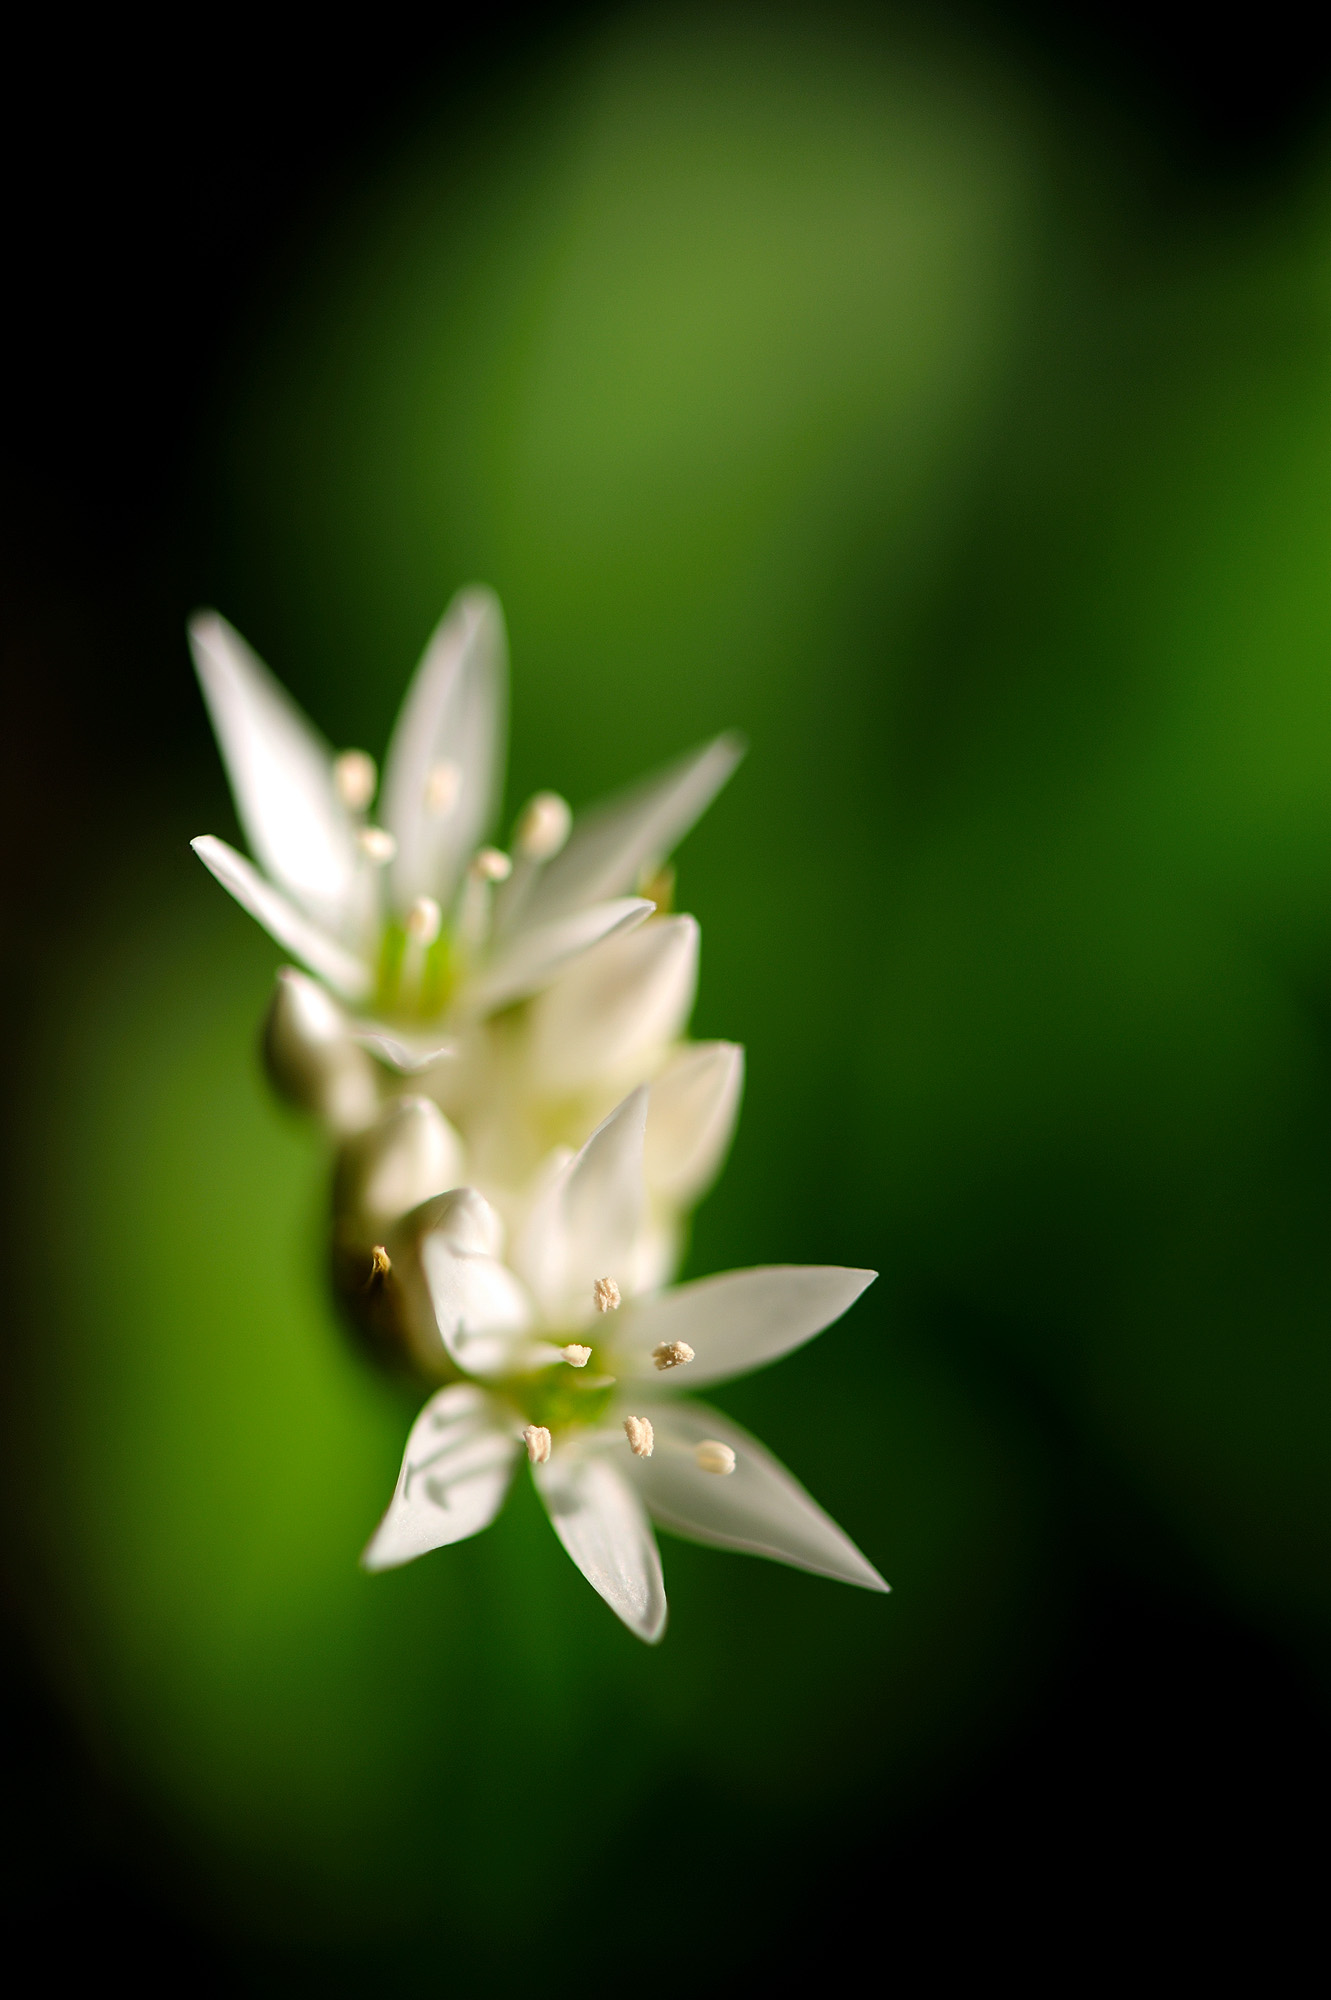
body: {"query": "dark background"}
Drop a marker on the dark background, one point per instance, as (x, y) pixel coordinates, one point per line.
(1158, 1810)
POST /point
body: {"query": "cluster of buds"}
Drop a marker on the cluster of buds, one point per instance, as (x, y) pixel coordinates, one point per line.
(493, 1040)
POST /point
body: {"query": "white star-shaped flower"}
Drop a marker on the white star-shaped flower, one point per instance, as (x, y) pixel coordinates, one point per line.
(562, 1357)
(413, 921)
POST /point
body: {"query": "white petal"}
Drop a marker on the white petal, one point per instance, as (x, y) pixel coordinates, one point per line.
(455, 1473)
(604, 1526)
(735, 1322)
(281, 773)
(758, 1508)
(612, 1011)
(409, 1055)
(347, 974)
(691, 1120)
(528, 960)
(455, 713)
(615, 842)
(410, 1153)
(480, 1308)
(585, 1223)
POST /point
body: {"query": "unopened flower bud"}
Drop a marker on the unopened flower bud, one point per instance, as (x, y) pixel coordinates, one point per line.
(488, 864)
(537, 1440)
(312, 1060)
(605, 1295)
(641, 1437)
(424, 920)
(575, 1355)
(441, 790)
(410, 1153)
(712, 1456)
(544, 826)
(377, 845)
(672, 1354)
(354, 779)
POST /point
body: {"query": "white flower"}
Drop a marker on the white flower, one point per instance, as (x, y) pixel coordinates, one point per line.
(548, 1074)
(611, 1442)
(415, 919)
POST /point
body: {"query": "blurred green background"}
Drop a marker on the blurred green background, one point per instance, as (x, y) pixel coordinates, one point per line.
(835, 378)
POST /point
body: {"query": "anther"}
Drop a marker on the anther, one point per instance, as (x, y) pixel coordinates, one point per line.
(544, 826)
(672, 1354)
(424, 920)
(537, 1440)
(441, 790)
(489, 865)
(355, 777)
(605, 1295)
(377, 844)
(380, 1263)
(576, 1356)
(641, 1437)
(712, 1456)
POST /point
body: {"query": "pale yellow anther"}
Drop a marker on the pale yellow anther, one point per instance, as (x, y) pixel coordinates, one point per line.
(441, 790)
(641, 1437)
(672, 1354)
(605, 1295)
(712, 1456)
(355, 777)
(376, 844)
(544, 826)
(576, 1356)
(490, 864)
(537, 1440)
(380, 1263)
(424, 920)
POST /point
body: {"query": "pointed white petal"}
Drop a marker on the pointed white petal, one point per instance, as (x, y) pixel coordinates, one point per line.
(410, 1153)
(455, 1473)
(612, 1011)
(604, 1526)
(691, 1119)
(585, 1223)
(735, 1322)
(347, 974)
(454, 717)
(408, 1055)
(612, 844)
(528, 960)
(281, 773)
(480, 1308)
(758, 1508)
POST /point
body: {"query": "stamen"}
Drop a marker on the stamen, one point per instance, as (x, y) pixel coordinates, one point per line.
(672, 1354)
(424, 920)
(489, 865)
(576, 1356)
(712, 1456)
(376, 844)
(605, 1295)
(380, 1264)
(641, 1437)
(544, 826)
(441, 790)
(355, 777)
(537, 1440)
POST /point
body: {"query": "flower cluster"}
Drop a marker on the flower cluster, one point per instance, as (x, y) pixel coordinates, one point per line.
(494, 1041)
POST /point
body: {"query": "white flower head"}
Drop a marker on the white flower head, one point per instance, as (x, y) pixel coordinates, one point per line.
(612, 1442)
(415, 921)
